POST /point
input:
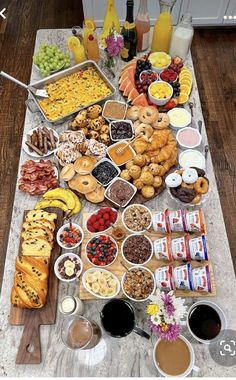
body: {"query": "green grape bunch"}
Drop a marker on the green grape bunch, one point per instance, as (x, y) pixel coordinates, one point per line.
(50, 58)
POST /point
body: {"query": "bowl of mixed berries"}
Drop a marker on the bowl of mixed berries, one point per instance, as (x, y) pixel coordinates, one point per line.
(102, 220)
(101, 250)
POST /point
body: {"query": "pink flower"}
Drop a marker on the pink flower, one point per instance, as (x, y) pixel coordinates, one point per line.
(170, 334)
(114, 45)
(168, 304)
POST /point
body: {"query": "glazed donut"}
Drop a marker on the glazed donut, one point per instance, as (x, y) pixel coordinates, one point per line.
(133, 113)
(145, 129)
(201, 185)
(148, 115)
(197, 199)
(162, 122)
(185, 185)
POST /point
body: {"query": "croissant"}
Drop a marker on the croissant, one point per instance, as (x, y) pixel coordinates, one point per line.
(140, 146)
(30, 283)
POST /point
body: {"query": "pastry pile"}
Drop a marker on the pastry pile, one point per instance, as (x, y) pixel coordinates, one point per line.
(30, 285)
(156, 150)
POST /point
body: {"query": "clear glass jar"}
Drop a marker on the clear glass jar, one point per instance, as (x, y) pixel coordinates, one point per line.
(182, 37)
(70, 305)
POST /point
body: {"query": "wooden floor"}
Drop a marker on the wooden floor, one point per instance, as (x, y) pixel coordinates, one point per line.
(214, 57)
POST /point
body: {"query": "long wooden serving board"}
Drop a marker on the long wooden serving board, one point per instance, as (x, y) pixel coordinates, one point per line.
(118, 269)
(29, 351)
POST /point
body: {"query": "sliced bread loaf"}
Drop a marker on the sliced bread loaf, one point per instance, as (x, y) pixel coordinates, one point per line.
(38, 247)
(38, 232)
(39, 223)
(40, 214)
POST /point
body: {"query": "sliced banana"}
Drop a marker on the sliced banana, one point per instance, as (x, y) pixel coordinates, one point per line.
(103, 291)
(69, 271)
(88, 286)
(111, 291)
(112, 283)
(95, 287)
(90, 278)
(69, 263)
(102, 281)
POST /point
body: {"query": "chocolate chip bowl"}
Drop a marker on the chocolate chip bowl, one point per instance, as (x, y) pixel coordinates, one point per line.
(137, 249)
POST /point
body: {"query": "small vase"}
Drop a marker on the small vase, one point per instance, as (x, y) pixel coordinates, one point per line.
(110, 65)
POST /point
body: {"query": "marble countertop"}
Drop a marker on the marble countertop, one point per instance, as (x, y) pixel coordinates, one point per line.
(130, 356)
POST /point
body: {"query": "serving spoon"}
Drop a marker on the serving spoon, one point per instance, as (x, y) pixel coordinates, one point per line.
(35, 91)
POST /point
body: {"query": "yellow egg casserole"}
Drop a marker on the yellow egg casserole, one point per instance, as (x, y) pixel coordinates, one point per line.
(77, 90)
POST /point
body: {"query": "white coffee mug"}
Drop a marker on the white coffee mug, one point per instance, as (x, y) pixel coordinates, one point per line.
(219, 312)
(191, 366)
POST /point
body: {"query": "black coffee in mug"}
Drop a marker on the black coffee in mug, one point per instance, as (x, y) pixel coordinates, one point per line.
(118, 318)
(205, 322)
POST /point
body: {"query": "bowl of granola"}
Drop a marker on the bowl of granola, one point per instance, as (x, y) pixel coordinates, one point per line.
(137, 218)
(138, 283)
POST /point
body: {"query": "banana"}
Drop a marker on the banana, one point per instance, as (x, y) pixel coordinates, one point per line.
(103, 291)
(68, 264)
(51, 203)
(112, 283)
(61, 195)
(77, 207)
(102, 281)
(95, 287)
(90, 278)
(111, 291)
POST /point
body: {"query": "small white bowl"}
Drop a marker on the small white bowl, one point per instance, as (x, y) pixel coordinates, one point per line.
(159, 69)
(101, 266)
(107, 229)
(146, 71)
(130, 262)
(160, 102)
(123, 218)
(117, 101)
(192, 158)
(123, 180)
(91, 270)
(110, 162)
(191, 130)
(126, 121)
(59, 232)
(154, 282)
(180, 112)
(60, 258)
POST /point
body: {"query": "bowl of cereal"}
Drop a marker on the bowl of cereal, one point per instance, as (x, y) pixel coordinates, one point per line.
(137, 249)
(138, 283)
(101, 283)
(137, 218)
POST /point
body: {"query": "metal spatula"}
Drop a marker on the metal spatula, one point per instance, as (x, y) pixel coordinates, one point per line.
(36, 92)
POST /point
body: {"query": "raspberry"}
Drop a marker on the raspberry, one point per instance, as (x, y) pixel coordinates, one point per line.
(96, 226)
(99, 214)
(107, 223)
(106, 216)
(106, 210)
(101, 228)
(91, 229)
(101, 222)
(92, 219)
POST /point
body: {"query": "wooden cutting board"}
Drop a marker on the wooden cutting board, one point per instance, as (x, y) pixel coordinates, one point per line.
(118, 269)
(29, 351)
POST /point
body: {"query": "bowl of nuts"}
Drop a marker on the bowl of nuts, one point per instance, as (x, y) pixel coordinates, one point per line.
(138, 283)
(137, 249)
(137, 218)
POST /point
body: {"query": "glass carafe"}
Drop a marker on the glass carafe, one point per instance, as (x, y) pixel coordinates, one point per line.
(163, 27)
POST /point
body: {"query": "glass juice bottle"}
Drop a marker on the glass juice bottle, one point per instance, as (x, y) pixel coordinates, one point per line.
(182, 37)
(111, 19)
(142, 23)
(129, 33)
(163, 27)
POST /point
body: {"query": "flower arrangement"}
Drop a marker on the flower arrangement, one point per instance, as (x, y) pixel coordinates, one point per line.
(114, 44)
(165, 312)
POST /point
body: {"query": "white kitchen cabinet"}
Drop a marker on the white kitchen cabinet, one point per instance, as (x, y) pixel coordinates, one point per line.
(230, 15)
(205, 12)
(97, 8)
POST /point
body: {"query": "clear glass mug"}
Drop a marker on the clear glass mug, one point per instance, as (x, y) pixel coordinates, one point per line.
(78, 333)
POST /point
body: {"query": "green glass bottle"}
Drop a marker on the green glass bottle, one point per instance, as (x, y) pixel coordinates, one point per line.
(129, 33)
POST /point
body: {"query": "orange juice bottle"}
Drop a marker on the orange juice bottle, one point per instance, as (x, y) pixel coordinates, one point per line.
(163, 27)
(92, 47)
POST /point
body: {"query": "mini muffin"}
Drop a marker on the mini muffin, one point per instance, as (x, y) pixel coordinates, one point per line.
(148, 191)
(125, 175)
(139, 160)
(157, 181)
(138, 183)
(154, 169)
(135, 171)
(147, 178)
(94, 111)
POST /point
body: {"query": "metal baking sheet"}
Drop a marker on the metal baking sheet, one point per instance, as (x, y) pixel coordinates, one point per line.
(62, 74)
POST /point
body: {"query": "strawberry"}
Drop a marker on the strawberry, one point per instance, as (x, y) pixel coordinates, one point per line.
(171, 104)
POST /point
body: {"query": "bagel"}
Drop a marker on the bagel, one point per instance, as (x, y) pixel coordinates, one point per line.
(67, 172)
(148, 115)
(162, 122)
(97, 195)
(133, 113)
(201, 185)
(145, 129)
(84, 184)
(84, 165)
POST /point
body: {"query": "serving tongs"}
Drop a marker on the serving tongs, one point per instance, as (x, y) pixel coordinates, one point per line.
(35, 91)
